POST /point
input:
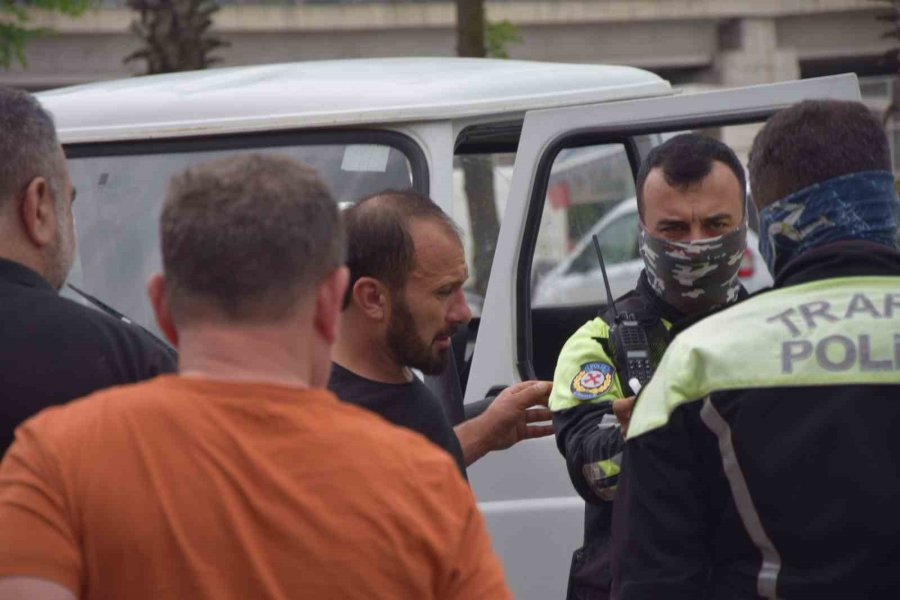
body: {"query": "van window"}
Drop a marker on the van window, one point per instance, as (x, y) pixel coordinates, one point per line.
(120, 195)
(590, 192)
(480, 189)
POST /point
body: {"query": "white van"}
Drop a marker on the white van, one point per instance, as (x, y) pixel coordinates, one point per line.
(367, 125)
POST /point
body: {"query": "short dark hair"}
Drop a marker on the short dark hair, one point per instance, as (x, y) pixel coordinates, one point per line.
(687, 159)
(28, 144)
(814, 141)
(379, 244)
(248, 234)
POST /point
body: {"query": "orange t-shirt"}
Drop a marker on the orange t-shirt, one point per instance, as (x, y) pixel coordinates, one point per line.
(191, 488)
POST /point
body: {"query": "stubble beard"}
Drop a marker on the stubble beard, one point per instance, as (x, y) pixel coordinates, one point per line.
(407, 345)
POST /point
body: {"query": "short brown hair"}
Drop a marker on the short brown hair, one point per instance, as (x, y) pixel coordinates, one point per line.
(247, 234)
(379, 244)
(814, 141)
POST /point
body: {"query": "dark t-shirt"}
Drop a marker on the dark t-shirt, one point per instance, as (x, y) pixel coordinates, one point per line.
(53, 350)
(410, 405)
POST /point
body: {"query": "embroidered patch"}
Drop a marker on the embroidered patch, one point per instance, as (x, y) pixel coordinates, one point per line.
(592, 380)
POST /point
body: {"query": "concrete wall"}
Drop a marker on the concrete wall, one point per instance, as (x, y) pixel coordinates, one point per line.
(855, 33)
(730, 41)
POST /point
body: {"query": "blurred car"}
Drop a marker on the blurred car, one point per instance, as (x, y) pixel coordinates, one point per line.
(577, 278)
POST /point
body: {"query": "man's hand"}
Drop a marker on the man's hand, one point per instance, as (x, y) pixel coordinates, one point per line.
(622, 408)
(508, 420)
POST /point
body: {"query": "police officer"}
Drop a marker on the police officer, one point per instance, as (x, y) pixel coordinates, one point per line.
(693, 225)
(763, 462)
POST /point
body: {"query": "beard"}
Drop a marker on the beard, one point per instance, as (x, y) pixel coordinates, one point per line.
(409, 348)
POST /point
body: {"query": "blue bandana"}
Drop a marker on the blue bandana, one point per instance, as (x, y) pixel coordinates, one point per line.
(859, 206)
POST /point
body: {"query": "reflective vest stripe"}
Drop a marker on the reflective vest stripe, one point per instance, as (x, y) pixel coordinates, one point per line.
(830, 332)
(767, 580)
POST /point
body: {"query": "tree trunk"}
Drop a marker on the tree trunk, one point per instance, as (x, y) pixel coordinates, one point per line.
(478, 171)
(470, 28)
(484, 222)
(175, 34)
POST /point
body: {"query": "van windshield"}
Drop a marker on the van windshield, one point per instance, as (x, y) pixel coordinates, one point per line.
(120, 198)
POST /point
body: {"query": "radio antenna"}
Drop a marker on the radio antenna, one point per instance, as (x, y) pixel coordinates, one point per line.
(609, 297)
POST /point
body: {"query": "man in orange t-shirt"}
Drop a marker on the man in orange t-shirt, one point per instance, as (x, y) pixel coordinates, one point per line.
(241, 477)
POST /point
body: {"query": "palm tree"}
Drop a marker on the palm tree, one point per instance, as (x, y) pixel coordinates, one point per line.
(175, 34)
(478, 171)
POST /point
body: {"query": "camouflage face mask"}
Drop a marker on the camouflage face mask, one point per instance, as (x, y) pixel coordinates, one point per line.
(698, 275)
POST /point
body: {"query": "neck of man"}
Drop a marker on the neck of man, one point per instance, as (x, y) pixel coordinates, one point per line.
(364, 352)
(17, 249)
(269, 353)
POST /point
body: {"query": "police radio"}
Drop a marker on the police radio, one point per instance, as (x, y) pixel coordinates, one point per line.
(631, 348)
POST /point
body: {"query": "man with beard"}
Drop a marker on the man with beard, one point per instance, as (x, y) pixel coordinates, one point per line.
(693, 225)
(51, 349)
(402, 307)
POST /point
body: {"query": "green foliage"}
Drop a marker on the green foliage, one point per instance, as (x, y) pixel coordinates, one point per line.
(498, 36)
(15, 30)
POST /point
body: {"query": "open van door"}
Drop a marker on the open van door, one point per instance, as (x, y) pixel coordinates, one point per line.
(533, 513)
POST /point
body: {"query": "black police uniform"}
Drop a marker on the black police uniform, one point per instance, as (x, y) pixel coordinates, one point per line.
(762, 459)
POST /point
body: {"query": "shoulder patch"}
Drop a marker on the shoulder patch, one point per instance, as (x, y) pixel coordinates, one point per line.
(592, 380)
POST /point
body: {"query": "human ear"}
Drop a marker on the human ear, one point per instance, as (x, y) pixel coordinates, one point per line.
(156, 290)
(38, 213)
(371, 297)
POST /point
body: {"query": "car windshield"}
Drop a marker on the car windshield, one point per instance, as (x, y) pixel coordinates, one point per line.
(120, 198)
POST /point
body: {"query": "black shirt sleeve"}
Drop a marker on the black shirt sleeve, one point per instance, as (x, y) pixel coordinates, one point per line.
(589, 438)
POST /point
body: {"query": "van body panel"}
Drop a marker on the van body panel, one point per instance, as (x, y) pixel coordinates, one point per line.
(325, 94)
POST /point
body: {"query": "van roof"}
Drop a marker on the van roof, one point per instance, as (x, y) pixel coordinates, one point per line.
(334, 93)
